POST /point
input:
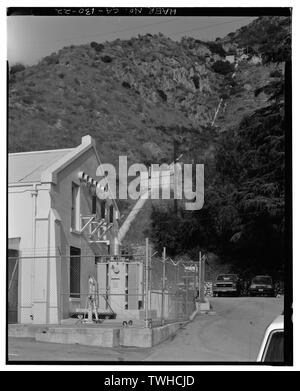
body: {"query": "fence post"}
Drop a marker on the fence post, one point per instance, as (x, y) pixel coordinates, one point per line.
(60, 306)
(201, 268)
(163, 287)
(146, 281)
(203, 278)
(186, 280)
(150, 281)
(199, 277)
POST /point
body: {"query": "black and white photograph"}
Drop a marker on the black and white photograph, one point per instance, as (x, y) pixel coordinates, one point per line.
(149, 186)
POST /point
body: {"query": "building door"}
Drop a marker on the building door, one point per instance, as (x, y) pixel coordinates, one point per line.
(13, 273)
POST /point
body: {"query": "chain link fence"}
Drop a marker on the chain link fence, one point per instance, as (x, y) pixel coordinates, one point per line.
(172, 290)
(138, 289)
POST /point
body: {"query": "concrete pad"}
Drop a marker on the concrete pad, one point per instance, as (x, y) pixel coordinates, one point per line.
(107, 337)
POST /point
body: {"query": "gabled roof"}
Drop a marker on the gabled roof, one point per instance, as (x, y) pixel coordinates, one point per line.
(43, 166)
(27, 167)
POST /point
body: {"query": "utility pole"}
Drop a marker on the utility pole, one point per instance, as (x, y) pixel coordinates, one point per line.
(146, 282)
(150, 281)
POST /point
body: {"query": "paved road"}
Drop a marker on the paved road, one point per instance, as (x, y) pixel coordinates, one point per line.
(233, 334)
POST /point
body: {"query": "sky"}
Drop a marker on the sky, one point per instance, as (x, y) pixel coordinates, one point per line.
(30, 38)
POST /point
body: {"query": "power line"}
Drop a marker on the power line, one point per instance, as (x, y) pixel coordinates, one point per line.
(144, 26)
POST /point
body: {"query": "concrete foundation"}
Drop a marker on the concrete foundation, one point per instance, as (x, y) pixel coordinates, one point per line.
(25, 330)
(203, 307)
(106, 336)
(140, 337)
(146, 337)
(93, 336)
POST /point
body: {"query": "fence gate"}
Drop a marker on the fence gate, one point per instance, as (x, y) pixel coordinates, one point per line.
(13, 273)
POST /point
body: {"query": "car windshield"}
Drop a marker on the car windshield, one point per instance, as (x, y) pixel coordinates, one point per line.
(274, 351)
(226, 277)
(262, 280)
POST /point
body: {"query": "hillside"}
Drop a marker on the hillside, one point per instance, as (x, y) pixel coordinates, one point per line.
(265, 30)
(128, 95)
(135, 97)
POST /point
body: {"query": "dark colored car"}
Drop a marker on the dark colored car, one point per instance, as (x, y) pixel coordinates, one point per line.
(227, 284)
(262, 286)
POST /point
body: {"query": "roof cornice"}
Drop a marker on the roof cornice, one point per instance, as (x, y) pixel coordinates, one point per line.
(50, 174)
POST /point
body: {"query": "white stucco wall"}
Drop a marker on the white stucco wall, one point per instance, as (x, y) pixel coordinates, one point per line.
(28, 208)
(41, 217)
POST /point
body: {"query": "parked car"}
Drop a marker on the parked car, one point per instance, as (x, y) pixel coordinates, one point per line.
(227, 284)
(272, 345)
(262, 286)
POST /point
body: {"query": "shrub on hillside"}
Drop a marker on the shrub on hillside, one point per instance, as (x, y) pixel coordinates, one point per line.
(216, 48)
(224, 95)
(275, 73)
(236, 90)
(52, 59)
(126, 85)
(99, 47)
(28, 100)
(222, 67)
(17, 68)
(196, 81)
(162, 95)
(106, 59)
(93, 44)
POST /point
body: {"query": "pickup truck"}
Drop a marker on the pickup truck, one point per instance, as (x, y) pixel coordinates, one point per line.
(227, 284)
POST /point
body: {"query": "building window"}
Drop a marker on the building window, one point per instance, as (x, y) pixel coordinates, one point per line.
(75, 272)
(102, 209)
(94, 205)
(75, 208)
(111, 214)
